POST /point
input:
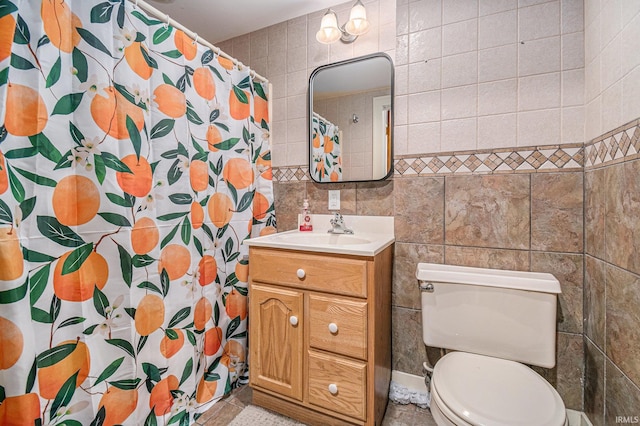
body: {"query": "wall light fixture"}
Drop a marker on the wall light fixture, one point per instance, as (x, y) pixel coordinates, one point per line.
(357, 25)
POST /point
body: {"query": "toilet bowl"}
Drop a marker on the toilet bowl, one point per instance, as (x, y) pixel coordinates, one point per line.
(470, 389)
(496, 321)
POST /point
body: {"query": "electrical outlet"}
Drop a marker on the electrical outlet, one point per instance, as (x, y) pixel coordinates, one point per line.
(334, 199)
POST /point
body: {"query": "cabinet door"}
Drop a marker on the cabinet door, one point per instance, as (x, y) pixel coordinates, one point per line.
(275, 340)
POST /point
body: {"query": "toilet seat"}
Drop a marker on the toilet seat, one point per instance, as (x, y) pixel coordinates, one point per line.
(480, 390)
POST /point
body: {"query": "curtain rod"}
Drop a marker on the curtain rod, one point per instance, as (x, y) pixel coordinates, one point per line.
(165, 17)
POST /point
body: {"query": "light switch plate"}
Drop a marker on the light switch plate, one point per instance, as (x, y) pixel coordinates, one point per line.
(334, 199)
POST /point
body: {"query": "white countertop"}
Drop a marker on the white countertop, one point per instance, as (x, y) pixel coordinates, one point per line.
(371, 235)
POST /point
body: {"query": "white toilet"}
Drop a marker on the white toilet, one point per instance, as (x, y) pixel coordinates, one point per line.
(494, 320)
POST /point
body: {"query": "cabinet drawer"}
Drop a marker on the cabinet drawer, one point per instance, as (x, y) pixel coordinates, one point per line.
(338, 384)
(338, 325)
(325, 273)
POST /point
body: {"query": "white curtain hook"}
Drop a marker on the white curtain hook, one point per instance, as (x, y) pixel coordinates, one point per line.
(167, 23)
(136, 4)
(195, 41)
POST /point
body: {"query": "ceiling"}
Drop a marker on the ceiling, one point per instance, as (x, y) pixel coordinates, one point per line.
(219, 20)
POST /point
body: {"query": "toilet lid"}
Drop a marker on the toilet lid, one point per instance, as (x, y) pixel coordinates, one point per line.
(492, 391)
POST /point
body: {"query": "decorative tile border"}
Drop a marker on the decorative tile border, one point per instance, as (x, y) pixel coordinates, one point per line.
(508, 160)
(291, 174)
(618, 145)
(531, 159)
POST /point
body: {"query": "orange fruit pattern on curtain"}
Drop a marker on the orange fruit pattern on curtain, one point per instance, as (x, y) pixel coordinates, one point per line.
(133, 164)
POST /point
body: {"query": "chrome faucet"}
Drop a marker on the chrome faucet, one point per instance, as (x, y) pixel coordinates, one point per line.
(338, 226)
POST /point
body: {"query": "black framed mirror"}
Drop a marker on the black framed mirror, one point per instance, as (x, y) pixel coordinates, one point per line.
(350, 110)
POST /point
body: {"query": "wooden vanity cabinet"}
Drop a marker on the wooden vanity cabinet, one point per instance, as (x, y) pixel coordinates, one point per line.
(320, 334)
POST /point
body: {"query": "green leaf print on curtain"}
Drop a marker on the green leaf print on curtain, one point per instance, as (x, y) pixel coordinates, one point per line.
(133, 163)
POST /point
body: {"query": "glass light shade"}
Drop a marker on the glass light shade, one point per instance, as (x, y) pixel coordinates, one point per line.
(329, 31)
(357, 24)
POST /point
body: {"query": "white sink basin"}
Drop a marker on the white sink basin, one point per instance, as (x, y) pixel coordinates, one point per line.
(371, 235)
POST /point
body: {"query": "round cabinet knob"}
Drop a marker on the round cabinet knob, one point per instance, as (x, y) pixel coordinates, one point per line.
(333, 389)
(333, 328)
(301, 273)
(293, 320)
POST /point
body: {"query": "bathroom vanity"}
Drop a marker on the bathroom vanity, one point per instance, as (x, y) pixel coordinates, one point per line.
(320, 323)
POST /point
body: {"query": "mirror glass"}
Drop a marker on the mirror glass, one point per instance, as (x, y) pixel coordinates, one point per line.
(350, 114)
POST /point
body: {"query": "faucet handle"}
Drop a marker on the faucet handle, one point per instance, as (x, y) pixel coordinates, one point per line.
(337, 217)
(338, 225)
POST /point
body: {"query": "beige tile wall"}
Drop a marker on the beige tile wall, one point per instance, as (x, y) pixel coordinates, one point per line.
(473, 74)
(612, 70)
(612, 259)
(483, 74)
(612, 291)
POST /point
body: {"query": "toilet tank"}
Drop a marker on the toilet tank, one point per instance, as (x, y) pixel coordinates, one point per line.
(504, 314)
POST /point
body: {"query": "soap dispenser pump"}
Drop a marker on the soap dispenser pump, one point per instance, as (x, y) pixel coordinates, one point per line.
(305, 218)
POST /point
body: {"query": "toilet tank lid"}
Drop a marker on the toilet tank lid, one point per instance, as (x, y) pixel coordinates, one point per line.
(517, 280)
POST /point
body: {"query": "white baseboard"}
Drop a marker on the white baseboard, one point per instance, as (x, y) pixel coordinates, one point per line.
(410, 381)
(577, 418)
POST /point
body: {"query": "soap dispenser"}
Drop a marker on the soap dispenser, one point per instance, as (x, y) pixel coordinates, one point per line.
(305, 224)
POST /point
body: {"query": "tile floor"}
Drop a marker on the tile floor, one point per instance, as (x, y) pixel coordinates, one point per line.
(230, 406)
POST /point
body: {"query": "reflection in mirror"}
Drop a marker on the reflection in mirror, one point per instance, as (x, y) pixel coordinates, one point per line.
(350, 114)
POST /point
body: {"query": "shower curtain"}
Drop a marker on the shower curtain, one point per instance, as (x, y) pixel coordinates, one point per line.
(133, 163)
(326, 153)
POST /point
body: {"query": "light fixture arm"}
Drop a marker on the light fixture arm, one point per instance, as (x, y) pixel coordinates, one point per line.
(347, 38)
